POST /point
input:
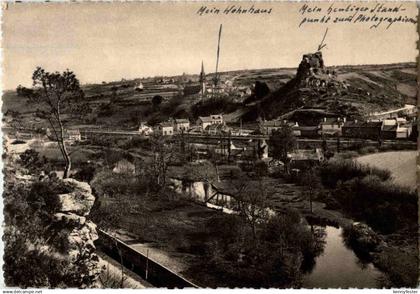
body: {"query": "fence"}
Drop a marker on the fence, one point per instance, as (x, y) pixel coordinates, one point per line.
(153, 272)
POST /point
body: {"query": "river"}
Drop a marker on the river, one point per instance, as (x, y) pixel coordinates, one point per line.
(339, 267)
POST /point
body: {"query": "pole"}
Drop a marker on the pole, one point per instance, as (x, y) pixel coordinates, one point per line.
(147, 264)
(218, 53)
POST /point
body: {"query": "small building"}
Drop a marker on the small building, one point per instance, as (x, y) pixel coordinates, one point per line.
(217, 129)
(331, 126)
(145, 130)
(395, 128)
(124, 167)
(217, 118)
(181, 125)
(74, 135)
(309, 131)
(267, 127)
(204, 121)
(165, 128)
(362, 130)
(301, 159)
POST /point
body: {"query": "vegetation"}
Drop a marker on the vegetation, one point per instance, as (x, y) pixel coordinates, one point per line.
(336, 171)
(33, 245)
(282, 142)
(52, 93)
(273, 260)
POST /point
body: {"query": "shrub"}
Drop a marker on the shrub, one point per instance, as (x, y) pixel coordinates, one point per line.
(367, 150)
(380, 204)
(343, 170)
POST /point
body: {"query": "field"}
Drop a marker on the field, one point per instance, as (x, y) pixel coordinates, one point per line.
(402, 165)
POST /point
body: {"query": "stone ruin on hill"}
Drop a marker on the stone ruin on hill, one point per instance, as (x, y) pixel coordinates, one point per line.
(312, 73)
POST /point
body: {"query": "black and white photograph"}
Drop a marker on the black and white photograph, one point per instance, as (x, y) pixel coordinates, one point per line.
(210, 145)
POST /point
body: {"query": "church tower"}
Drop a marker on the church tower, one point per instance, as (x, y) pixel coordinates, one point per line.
(202, 80)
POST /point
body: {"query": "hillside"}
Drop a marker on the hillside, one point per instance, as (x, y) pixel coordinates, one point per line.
(351, 91)
(347, 91)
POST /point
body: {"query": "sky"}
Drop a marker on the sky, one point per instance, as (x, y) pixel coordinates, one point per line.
(109, 41)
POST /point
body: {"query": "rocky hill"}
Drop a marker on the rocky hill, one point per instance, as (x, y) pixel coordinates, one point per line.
(347, 91)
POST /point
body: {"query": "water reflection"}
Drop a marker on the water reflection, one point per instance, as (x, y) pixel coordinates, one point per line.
(339, 267)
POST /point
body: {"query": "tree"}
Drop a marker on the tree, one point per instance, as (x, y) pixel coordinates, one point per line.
(312, 182)
(252, 200)
(163, 154)
(157, 100)
(282, 142)
(54, 92)
(261, 90)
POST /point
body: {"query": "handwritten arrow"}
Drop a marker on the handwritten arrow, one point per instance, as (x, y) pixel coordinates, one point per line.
(322, 45)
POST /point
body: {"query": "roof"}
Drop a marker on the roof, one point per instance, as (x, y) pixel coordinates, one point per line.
(389, 128)
(362, 124)
(166, 124)
(219, 127)
(216, 116)
(205, 118)
(272, 123)
(307, 128)
(307, 155)
(330, 120)
(181, 121)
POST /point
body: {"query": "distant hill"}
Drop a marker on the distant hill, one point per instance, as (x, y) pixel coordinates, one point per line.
(351, 91)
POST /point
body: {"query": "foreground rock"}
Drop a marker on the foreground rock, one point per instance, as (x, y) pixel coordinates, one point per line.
(80, 233)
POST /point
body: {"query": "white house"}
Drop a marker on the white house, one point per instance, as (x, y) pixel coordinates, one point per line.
(165, 128)
(181, 125)
(145, 130)
(205, 121)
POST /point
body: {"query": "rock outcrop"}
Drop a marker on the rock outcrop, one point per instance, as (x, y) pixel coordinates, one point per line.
(77, 232)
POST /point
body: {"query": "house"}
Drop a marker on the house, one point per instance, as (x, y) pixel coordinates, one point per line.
(395, 128)
(309, 131)
(22, 135)
(124, 167)
(267, 127)
(361, 129)
(204, 121)
(301, 159)
(165, 128)
(74, 135)
(145, 130)
(331, 126)
(217, 129)
(217, 118)
(181, 125)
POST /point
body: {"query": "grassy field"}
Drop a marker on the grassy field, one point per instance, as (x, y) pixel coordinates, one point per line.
(402, 165)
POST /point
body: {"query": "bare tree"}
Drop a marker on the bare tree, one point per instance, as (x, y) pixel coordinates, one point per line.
(252, 197)
(311, 182)
(163, 154)
(54, 92)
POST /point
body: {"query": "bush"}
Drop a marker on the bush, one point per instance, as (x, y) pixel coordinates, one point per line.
(367, 150)
(343, 170)
(384, 206)
(85, 174)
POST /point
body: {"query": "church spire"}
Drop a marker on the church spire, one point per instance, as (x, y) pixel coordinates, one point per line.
(202, 73)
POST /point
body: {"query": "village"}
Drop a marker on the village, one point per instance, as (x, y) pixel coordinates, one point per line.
(300, 176)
